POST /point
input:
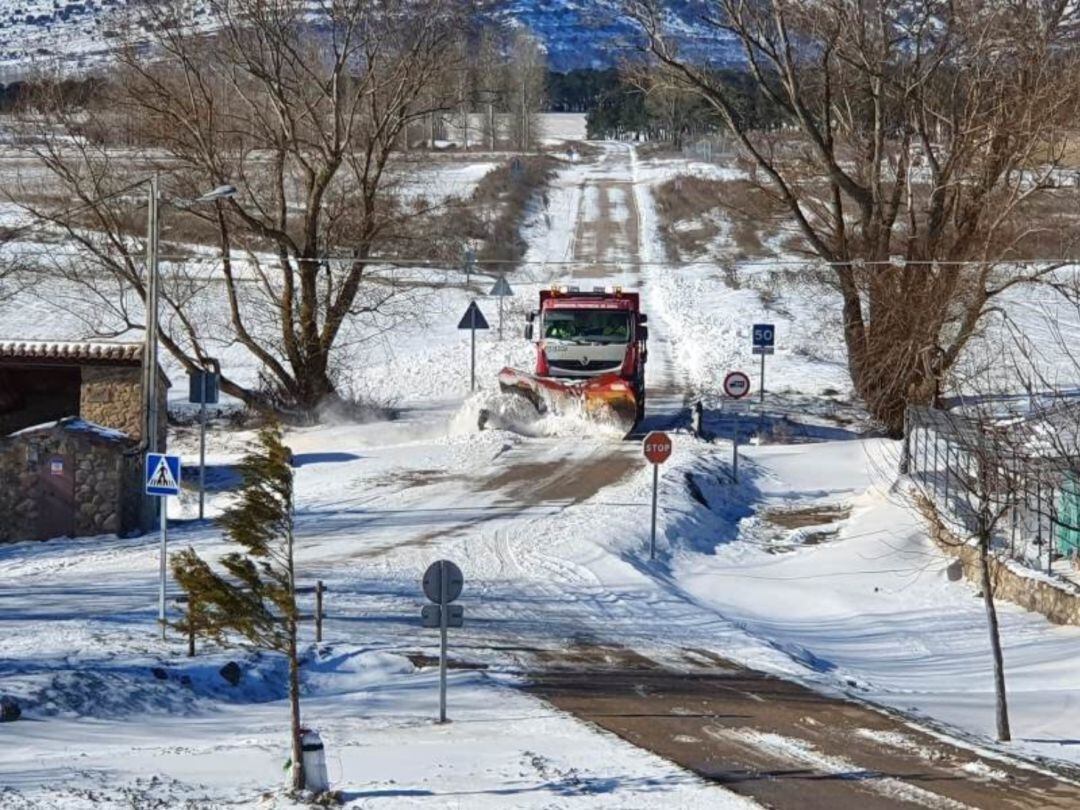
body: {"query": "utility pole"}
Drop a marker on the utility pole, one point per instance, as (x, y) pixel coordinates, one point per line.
(150, 348)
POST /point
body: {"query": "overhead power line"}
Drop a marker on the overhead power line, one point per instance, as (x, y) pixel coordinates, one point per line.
(440, 263)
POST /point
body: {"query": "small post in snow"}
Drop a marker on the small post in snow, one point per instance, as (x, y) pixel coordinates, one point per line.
(470, 262)
(472, 320)
(657, 449)
(442, 584)
(735, 448)
(501, 289)
(736, 386)
(203, 387)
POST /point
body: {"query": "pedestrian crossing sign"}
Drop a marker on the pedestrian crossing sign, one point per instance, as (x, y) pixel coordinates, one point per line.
(162, 474)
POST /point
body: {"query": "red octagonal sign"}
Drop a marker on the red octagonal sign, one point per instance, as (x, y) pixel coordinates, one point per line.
(657, 447)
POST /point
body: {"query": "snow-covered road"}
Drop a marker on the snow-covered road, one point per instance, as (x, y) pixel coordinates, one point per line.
(807, 568)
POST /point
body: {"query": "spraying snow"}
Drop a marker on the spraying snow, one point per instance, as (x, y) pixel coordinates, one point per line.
(495, 410)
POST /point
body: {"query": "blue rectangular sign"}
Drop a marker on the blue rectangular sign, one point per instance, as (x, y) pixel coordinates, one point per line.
(162, 474)
(764, 338)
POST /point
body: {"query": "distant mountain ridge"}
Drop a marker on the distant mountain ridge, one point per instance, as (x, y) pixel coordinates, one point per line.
(591, 34)
(76, 35)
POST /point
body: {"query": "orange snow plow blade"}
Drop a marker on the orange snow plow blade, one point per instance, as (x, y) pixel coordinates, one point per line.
(607, 397)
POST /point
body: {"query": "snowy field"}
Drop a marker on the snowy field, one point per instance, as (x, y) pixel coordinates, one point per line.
(811, 567)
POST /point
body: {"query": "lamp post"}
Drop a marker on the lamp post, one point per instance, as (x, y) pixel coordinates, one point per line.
(153, 284)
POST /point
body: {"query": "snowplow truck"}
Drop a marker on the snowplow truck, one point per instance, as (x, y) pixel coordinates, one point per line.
(591, 349)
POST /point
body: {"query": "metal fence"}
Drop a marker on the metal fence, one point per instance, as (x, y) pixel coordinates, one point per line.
(957, 463)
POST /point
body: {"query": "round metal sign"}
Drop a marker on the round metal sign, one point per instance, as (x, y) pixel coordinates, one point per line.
(736, 385)
(433, 582)
(657, 447)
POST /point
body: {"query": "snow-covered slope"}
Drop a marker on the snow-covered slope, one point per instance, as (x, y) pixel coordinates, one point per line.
(78, 34)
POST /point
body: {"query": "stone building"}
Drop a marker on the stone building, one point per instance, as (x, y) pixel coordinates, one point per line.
(44, 381)
(70, 478)
(71, 428)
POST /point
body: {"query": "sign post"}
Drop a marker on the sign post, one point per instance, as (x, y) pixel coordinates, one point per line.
(764, 342)
(657, 449)
(472, 320)
(470, 262)
(162, 480)
(442, 583)
(203, 389)
(501, 289)
(736, 386)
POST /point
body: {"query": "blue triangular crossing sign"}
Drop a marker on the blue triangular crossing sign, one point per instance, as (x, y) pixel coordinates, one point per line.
(501, 288)
(473, 318)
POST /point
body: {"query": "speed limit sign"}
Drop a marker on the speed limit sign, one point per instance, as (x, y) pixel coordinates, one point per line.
(736, 385)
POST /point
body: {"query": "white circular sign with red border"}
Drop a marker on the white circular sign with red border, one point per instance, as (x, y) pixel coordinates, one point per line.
(736, 384)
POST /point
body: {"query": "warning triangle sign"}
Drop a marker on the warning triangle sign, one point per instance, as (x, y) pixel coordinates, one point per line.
(473, 318)
(501, 288)
(162, 477)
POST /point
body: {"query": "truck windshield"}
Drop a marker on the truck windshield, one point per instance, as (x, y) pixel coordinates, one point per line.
(587, 325)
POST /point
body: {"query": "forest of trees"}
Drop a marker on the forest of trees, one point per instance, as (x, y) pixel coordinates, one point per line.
(620, 104)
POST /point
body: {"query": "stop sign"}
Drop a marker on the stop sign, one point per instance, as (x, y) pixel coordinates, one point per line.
(657, 447)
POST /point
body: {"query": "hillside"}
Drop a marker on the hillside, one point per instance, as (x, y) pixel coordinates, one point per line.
(78, 34)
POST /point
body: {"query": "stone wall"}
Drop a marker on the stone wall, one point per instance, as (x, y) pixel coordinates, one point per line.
(98, 490)
(1058, 601)
(18, 507)
(112, 396)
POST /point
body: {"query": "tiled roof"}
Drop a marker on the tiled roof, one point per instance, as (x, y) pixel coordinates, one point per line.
(71, 351)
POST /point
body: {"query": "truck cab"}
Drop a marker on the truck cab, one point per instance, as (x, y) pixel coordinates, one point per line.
(581, 335)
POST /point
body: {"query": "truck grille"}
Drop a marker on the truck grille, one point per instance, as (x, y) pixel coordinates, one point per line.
(592, 365)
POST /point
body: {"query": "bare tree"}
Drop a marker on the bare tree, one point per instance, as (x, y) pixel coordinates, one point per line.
(300, 108)
(985, 477)
(524, 89)
(920, 134)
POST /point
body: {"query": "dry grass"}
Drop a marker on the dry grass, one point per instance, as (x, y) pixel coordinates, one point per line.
(691, 209)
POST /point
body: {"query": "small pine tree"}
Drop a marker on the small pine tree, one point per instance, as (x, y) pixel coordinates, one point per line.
(258, 602)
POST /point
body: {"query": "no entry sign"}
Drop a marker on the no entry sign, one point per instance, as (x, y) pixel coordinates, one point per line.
(657, 447)
(736, 385)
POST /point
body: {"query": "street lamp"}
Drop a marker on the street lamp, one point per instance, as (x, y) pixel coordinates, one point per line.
(150, 350)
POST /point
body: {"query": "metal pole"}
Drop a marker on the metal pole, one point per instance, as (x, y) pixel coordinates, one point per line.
(762, 391)
(655, 487)
(905, 452)
(948, 470)
(318, 610)
(164, 543)
(472, 366)
(937, 438)
(202, 443)
(1038, 523)
(443, 576)
(735, 448)
(1050, 535)
(152, 316)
